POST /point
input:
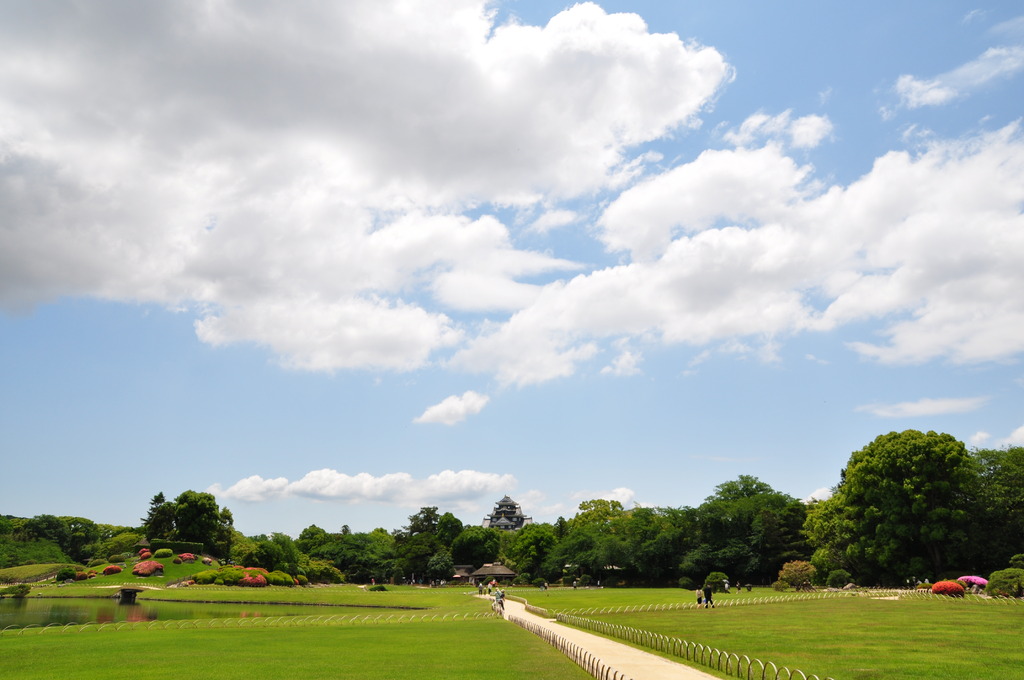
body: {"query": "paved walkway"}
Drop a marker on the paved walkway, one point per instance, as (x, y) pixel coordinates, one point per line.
(630, 661)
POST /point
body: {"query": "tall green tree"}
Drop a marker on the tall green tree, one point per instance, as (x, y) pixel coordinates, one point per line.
(477, 545)
(997, 512)
(159, 520)
(902, 506)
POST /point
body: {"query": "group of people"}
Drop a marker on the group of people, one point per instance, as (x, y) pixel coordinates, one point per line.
(704, 596)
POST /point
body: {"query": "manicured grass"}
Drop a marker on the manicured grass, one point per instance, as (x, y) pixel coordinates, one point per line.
(857, 638)
(30, 573)
(487, 648)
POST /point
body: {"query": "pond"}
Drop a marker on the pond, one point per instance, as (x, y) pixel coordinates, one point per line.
(40, 611)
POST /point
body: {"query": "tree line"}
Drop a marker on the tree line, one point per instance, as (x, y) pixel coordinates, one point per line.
(908, 506)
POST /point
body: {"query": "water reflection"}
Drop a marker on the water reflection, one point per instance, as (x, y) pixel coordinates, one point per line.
(35, 611)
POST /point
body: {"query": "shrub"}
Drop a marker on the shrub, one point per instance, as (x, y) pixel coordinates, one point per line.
(162, 552)
(377, 588)
(95, 562)
(147, 568)
(837, 578)
(687, 583)
(145, 555)
(206, 577)
(64, 574)
(1006, 583)
(585, 580)
(143, 551)
(951, 588)
(207, 560)
(301, 580)
(522, 579)
(538, 582)
(716, 580)
(81, 575)
(120, 557)
(253, 581)
(797, 573)
(279, 578)
(187, 557)
(176, 560)
(18, 590)
(112, 569)
(1017, 561)
(780, 585)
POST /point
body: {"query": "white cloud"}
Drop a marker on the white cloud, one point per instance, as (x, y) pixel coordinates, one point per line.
(822, 494)
(925, 407)
(298, 176)
(464, 487)
(802, 133)
(454, 409)
(1016, 438)
(993, 64)
(625, 364)
(553, 219)
(979, 438)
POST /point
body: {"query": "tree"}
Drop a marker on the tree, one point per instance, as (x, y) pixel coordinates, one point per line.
(159, 521)
(197, 519)
(748, 529)
(900, 507)
(477, 545)
(997, 511)
(440, 566)
(447, 528)
(529, 548)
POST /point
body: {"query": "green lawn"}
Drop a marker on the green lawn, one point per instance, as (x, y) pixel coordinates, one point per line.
(852, 638)
(485, 648)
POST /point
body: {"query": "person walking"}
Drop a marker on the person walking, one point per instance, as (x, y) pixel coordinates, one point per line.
(700, 597)
(708, 602)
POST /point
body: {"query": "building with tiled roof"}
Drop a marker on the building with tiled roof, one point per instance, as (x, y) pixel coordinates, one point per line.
(507, 516)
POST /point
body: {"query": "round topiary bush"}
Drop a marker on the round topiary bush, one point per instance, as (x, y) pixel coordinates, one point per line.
(112, 569)
(162, 553)
(837, 578)
(1006, 583)
(951, 588)
(64, 574)
(780, 585)
(253, 581)
(377, 588)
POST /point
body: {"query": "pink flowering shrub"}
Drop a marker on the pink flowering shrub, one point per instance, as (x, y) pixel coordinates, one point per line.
(143, 550)
(973, 581)
(145, 555)
(253, 581)
(951, 588)
(207, 561)
(147, 568)
(112, 569)
(187, 557)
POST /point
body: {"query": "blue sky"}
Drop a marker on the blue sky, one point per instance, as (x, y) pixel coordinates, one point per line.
(337, 261)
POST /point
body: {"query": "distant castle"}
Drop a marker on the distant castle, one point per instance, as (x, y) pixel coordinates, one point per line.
(507, 516)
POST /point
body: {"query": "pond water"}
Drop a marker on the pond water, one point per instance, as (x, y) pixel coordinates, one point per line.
(40, 611)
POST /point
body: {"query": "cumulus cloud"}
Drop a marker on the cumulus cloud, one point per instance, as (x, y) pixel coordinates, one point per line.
(460, 488)
(327, 183)
(626, 363)
(925, 407)
(822, 494)
(454, 409)
(995, 63)
(801, 133)
(1016, 438)
(298, 177)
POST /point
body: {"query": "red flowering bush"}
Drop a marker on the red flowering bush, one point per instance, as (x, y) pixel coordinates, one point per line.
(951, 588)
(112, 569)
(143, 550)
(207, 561)
(253, 581)
(147, 568)
(145, 555)
(187, 557)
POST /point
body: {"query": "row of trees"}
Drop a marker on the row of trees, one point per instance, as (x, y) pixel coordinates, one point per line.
(910, 505)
